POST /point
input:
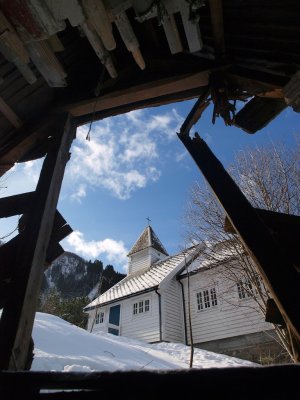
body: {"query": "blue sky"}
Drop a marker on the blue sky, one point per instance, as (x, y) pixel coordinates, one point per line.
(135, 167)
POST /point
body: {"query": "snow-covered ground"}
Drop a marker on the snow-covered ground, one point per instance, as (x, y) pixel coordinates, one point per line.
(61, 346)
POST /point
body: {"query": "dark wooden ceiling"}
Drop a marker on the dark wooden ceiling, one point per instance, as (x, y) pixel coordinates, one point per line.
(51, 60)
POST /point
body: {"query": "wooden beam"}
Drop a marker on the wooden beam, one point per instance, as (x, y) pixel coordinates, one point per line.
(284, 224)
(158, 101)
(285, 229)
(255, 382)
(18, 315)
(61, 233)
(21, 141)
(283, 284)
(216, 16)
(137, 93)
(54, 251)
(16, 205)
(9, 113)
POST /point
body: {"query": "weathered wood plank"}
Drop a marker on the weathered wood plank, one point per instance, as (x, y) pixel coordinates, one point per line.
(18, 315)
(140, 92)
(258, 112)
(276, 381)
(153, 102)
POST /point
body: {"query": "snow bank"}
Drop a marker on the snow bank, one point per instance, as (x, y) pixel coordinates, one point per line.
(61, 346)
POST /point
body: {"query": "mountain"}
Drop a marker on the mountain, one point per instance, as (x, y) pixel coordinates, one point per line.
(71, 276)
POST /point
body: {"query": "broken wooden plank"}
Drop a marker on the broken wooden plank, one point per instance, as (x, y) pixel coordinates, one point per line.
(195, 113)
(191, 28)
(258, 112)
(46, 62)
(18, 314)
(16, 205)
(172, 34)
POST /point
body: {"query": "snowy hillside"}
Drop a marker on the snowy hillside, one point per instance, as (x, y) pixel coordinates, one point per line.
(61, 346)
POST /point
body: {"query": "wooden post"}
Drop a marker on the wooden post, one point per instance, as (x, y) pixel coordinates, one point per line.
(18, 314)
(216, 16)
(283, 283)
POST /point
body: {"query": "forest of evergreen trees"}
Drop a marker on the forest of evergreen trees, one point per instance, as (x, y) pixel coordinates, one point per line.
(72, 280)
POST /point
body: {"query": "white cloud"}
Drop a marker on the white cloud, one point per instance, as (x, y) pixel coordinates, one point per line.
(166, 125)
(122, 155)
(114, 251)
(79, 194)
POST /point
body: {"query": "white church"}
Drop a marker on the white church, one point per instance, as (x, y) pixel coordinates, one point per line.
(176, 298)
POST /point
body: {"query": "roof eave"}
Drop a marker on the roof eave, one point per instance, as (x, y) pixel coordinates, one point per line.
(87, 308)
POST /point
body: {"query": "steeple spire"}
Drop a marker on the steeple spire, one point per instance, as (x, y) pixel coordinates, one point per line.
(148, 239)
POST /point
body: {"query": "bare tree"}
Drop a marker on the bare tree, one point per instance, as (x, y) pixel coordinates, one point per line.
(270, 179)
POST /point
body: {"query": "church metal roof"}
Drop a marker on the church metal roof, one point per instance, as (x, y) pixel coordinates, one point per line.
(146, 280)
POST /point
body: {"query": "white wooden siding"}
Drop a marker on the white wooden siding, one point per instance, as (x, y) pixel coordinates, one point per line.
(231, 317)
(139, 261)
(143, 326)
(144, 259)
(98, 327)
(172, 313)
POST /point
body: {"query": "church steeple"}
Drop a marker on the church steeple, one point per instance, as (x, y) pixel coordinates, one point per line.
(146, 250)
(148, 239)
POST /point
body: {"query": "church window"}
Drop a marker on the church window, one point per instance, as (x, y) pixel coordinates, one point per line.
(147, 305)
(244, 288)
(99, 318)
(143, 306)
(248, 289)
(206, 299)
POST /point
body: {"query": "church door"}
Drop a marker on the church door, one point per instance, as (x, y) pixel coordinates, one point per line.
(114, 320)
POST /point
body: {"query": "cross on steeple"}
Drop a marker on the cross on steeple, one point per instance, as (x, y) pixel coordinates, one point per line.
(148, 219)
